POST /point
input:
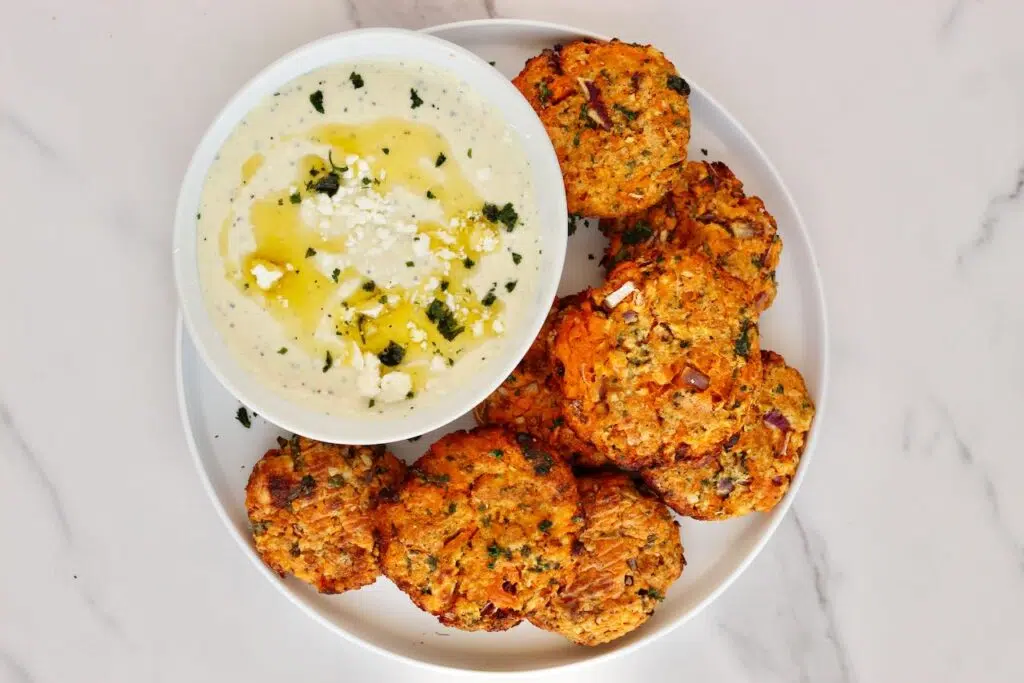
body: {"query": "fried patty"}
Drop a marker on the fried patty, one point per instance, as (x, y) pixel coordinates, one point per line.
(530, 399)
(752, 470)
(482, 529)
(626, 558)
(661, 361)
(618, 117)
(706, 211)
(310, 508)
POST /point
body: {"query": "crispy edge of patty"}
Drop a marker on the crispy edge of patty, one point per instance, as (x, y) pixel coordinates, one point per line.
(530, 399)
(482, 529)
(706, 210)
(752, 470)
(628, 555)
(667, 371)
(619, 119)
(310, 508)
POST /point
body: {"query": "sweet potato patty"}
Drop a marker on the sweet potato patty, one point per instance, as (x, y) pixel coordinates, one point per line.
(530, 399)
(482, 529)
(661, 361)
(310, 508)
(627, 556)
(752, 470)
(619, 119)
(706, 211)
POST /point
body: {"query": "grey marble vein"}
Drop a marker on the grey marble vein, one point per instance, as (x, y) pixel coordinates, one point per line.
(490, 6)
(951, 19)
(12, 667)
(992, 216)
(352, 12)
(817, 559)
(966, 456)
(15, 125)
(21, 446)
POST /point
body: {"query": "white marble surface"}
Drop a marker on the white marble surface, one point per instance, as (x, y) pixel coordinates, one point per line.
(898, 126)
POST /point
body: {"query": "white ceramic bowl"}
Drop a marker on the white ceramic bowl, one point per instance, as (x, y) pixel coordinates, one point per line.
(383, 44)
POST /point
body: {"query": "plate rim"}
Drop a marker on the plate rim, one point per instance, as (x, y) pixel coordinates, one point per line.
(777, 515)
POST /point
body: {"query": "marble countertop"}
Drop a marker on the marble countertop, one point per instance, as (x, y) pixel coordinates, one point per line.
(899, 128)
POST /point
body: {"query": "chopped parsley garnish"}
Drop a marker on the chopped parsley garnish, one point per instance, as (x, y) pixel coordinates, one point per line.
(243, 417)
(779, 389)
(452, 507)
(335, 480)
(386, 150)
(679, 84)
(572, 223)
(441, 158)
(628, 113)
(543, 92)
(317, 100)
(468, 262)
(652, 593)
(371, 403)
(357, 80)
(369, 286)
(415, 97)
(492, 62)
(392, 355)
(410, 394)
(541, 460)
(259, 528)
(367, 181)
(641, 232)
(328, 361)
(410, 264)
(517, 258)
(335, 273)
(510, 286)
(328, 184)
(295, 198)
(431, 195)
(427, 478)
(495, 551)
(544, 526)
(444, 285)
(469, 152)
(310, 251)
(442, 317)
(283, 350)
(432, 562)
(742, 347)
(506, 215)
(497, 453)
(489, 299)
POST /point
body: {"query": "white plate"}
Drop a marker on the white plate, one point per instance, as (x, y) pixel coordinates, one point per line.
(382, 617)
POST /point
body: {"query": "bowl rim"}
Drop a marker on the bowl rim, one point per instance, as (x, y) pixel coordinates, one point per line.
(550, 204)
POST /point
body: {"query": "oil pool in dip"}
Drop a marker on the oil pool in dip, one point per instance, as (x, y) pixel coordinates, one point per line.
(366, 236)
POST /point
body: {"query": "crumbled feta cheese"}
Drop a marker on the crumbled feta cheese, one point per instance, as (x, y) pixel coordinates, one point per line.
(266, 277)
(368, 381)
(478, 328)
(498, 326)
(395, 386)
(373, 311)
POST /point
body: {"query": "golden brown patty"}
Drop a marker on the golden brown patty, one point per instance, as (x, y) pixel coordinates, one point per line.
(706, 211)
(530, 399)
(310, 508)
(752, 470)
(618, 117)
(626, 558)
(661, 361)
(482, 530)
